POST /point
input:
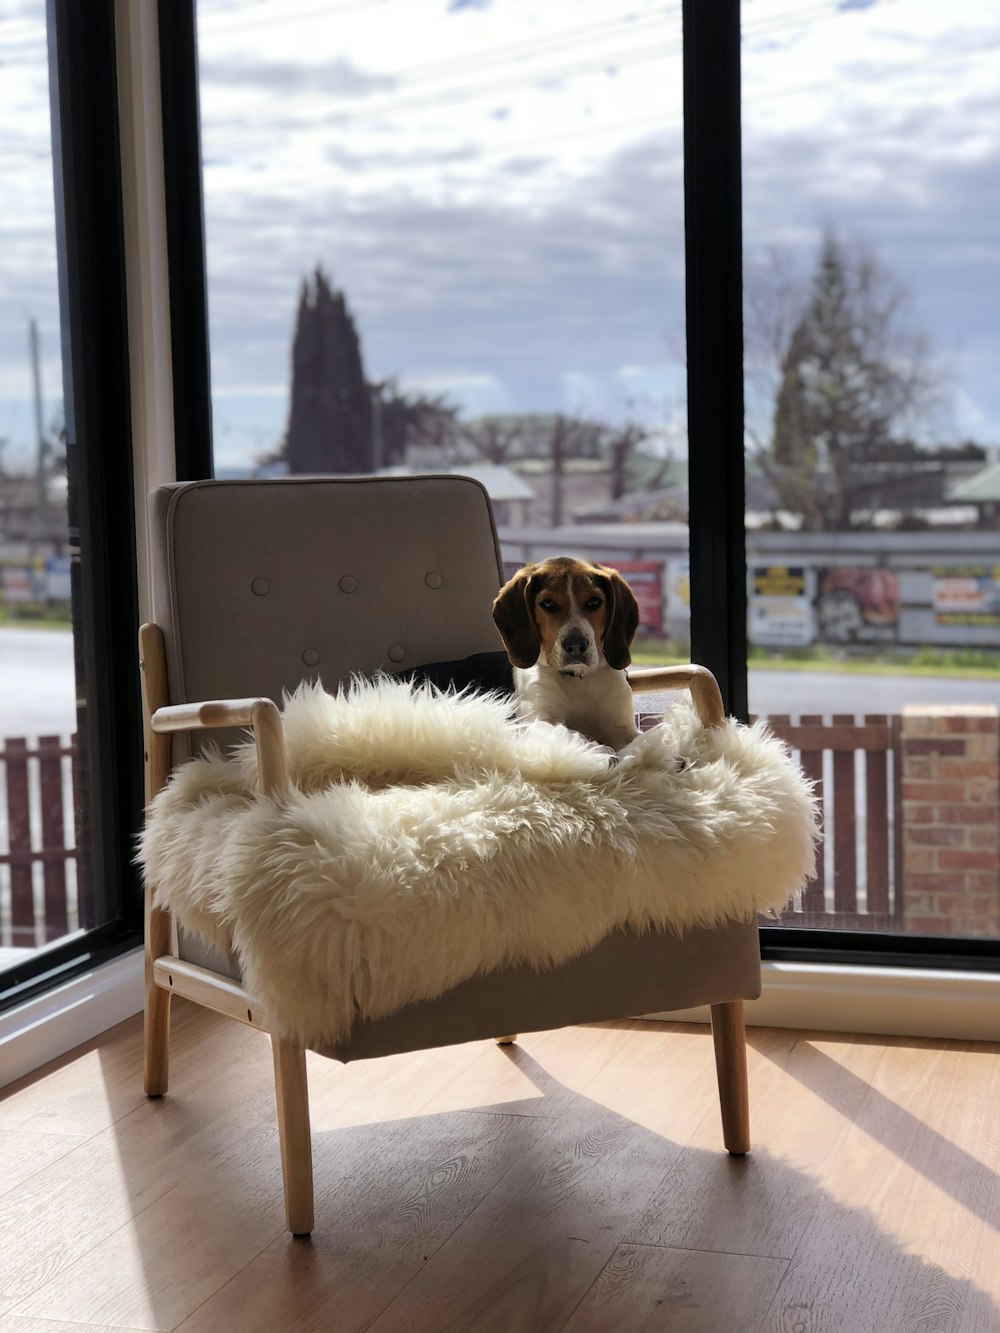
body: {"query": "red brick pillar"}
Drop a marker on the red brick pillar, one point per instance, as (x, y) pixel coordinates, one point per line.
(950, 819)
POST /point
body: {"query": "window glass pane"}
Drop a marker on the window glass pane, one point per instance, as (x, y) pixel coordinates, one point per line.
(41, 900)
(871, 166)
(448, 235)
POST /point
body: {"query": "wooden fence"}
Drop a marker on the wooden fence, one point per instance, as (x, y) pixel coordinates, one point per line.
(37, 906)
(858, 884)
(855, 767)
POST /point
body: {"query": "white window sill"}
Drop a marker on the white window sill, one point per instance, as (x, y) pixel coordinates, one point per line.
(887, 1001)
(49, 1025)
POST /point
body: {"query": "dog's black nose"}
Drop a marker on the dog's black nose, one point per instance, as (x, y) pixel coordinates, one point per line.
(574, 645)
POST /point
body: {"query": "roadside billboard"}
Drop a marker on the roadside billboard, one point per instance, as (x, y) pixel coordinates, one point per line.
(645, 578)
(20, 585)
(857, 604)
(966, 595)
(780, 611)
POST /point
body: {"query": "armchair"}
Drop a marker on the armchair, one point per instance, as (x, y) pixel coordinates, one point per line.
(258, 585)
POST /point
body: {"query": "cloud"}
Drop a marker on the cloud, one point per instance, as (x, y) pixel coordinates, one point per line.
(502, 254)
(579, 282)
(915, 175)
(274, 79)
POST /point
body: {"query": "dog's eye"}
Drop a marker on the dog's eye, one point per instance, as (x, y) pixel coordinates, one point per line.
(593, 604)
(547, 604)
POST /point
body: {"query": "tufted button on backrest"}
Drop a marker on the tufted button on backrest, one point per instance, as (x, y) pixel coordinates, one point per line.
(259, 584)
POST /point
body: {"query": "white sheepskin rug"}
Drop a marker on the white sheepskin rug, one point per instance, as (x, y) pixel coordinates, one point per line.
(427, 838)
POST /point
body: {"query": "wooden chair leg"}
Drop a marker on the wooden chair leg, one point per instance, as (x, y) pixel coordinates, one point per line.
(159, 931)
(729, 1035)
(292, 1091)
(156, 1034)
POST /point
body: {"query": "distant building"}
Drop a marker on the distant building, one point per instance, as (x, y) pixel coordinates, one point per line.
(510, 496)
(982, 491)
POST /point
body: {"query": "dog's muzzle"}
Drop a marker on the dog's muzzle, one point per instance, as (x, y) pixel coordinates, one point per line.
(576, 653)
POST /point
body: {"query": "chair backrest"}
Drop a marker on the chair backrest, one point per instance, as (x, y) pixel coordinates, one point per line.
(258, 585)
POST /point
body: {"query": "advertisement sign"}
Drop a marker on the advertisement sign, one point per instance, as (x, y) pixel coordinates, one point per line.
(57, 579)
(679, 589)
(780, 613)
(857, 605)
(645, 578)
(19, 584)
(966, 595)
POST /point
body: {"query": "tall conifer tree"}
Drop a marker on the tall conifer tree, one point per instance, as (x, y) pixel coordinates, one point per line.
(330, 421)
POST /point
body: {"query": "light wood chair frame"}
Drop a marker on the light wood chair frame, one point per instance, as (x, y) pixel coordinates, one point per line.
(166, 974)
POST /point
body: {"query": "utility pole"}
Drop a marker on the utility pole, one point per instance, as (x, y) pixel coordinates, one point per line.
(36, 372)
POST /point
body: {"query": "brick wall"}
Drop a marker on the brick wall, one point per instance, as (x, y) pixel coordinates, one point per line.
(951, 819)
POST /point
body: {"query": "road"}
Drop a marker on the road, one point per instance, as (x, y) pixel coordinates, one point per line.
(37, 689)
(825, 692)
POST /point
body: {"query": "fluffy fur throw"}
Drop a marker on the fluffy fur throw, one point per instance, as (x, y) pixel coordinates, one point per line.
(428, 838)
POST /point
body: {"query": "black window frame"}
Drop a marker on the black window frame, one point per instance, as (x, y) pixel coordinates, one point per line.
(96, 387)
(185, 228)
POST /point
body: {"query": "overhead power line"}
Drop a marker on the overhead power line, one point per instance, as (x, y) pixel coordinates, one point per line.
(512, 54)
(448, 97)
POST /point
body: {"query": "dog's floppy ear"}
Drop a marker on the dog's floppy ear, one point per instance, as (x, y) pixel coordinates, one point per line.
(514, 617)
(622, 619)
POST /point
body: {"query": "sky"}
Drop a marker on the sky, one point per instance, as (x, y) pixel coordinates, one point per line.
(496, 186)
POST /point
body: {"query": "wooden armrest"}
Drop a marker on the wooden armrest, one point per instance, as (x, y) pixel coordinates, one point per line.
(705, 693)
(211, 713)
(260, 714)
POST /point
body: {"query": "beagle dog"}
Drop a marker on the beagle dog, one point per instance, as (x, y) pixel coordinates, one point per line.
(567, 627)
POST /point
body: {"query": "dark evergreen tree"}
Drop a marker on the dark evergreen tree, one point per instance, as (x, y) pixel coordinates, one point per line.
(330, 421)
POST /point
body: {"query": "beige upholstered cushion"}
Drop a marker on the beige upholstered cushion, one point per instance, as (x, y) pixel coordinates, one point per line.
(259, 585)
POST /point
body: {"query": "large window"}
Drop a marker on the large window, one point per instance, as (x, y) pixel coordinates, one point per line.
(40, 898)
(871, 165)
(68, 739)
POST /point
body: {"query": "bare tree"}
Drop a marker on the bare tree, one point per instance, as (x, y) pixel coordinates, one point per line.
(495, 438)
(623, 445)
(849, 376)
(401, 419)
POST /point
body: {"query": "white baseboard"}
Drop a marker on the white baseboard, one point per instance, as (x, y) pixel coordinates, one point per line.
(51, 1024)
(886, 1001)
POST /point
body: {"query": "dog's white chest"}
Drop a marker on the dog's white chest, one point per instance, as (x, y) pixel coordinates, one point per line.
(598, 704)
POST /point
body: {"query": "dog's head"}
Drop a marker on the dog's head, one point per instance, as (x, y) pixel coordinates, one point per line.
(568, 614)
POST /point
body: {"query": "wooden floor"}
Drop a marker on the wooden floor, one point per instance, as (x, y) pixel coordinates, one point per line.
(573, 1182)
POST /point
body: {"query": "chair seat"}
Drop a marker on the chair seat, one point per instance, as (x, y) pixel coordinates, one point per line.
(625, 976)
(423, 838)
